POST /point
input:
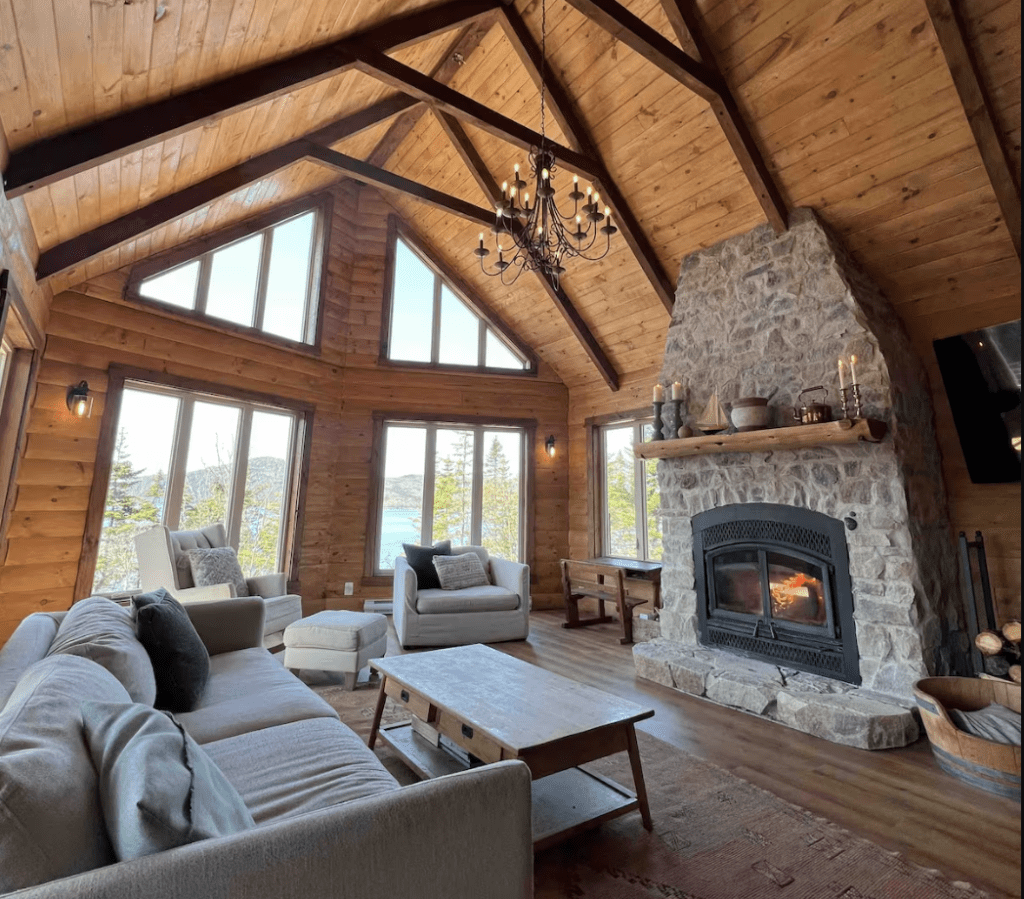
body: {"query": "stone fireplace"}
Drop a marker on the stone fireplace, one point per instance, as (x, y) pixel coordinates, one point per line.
(764, 314)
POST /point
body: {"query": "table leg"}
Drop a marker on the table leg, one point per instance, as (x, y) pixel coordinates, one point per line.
(378, 712)
(638, 777)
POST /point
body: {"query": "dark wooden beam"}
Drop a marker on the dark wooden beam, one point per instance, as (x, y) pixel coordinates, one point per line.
(693, 44)
(444, 98)
(73, 252)
(464, 146)
(85, 148)
(967, 79)
(704, 79)
(636, 239)
(387, 181)
(453, 58)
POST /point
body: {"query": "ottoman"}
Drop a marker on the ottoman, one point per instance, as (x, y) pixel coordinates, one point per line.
(336, 641)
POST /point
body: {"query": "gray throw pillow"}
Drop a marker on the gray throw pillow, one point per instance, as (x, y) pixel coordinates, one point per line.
(51, 824)
(99, 629)
(217, 565)
(181, 662)
(421, 560)
(158, 788)
(457, 572)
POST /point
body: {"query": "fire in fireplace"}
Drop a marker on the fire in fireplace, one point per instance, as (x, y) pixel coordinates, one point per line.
(773, 582)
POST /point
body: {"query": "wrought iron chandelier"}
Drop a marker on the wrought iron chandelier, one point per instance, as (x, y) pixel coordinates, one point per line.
(539, 237)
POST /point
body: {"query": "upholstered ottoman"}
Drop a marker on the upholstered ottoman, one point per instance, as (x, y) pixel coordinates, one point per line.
(336, 640)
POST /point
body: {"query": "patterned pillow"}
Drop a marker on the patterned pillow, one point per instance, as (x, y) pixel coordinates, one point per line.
(463, 570)
(218, 565)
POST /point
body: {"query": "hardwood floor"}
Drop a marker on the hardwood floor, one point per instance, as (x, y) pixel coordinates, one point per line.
(899, 798)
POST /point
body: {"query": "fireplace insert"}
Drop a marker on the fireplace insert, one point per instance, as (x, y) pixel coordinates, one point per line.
(773, 583)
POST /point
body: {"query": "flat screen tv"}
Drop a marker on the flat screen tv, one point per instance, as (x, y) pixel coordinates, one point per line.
(981, 374)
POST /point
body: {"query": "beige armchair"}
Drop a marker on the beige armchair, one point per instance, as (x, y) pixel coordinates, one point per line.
(163, 563)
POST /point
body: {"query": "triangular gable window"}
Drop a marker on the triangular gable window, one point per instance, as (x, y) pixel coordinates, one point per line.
(266, 280)
(431, 322)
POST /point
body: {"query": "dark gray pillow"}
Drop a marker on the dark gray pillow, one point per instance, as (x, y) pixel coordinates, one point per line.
(421, 560)
(180, 660)
(158, 788)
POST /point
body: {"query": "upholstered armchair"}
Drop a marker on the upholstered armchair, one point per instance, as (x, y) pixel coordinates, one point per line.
(164, 562)
(489, 613)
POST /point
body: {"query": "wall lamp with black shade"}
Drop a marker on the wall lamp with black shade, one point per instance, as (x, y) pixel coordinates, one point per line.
(549, 445)
(80, 400)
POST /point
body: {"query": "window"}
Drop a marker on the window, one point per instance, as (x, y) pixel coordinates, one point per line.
(629, 496)
(455, 482)
(431, 323)
(188, 459)
(267, 281)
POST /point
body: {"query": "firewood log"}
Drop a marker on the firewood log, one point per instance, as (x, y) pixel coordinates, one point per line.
(989, 642)
(997, 666)
(1011, 630)
(1015, 673)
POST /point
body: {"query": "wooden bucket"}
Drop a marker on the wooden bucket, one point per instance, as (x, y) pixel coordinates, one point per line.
(992, 766)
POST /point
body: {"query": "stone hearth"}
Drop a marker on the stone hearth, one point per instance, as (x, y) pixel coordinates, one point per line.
(763, 312)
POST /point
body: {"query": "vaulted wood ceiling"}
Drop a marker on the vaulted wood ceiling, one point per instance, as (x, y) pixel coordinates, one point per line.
(856, 109)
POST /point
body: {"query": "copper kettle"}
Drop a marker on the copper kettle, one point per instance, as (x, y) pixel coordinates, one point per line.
(812, 413)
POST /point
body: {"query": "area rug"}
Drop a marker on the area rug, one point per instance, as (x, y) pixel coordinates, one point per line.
(715, 836)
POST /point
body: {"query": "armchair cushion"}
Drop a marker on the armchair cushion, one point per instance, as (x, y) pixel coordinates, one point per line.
(101, 630)
(180, 660)
(158, 788)
(180, 542)
(421, 560)
(217, 565)
(463, 570)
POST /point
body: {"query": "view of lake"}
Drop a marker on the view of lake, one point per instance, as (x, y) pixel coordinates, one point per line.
(398, 526)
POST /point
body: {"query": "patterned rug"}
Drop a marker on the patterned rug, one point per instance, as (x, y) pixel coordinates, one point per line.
(715, 836)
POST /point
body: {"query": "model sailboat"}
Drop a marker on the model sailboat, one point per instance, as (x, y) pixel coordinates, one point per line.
(713, 419)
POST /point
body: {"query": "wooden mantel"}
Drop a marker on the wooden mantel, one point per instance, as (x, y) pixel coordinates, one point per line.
(832, 432)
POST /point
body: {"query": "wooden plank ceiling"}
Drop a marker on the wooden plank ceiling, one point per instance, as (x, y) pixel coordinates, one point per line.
(857, 108)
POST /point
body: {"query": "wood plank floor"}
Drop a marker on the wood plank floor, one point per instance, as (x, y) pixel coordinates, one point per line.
(899, 799)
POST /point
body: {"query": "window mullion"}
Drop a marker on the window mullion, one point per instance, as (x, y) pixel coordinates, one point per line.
(262, 279)
(477, 513)
(435, 327)
(430, 451)
(237, 498)
(178, 463)
(640, 492)
(203, 282)
(313, 274)
(481, 343)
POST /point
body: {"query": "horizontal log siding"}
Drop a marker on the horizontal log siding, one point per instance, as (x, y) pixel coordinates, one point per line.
(93, 328)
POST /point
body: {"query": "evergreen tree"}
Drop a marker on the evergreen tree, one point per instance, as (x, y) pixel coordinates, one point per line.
(500, 530)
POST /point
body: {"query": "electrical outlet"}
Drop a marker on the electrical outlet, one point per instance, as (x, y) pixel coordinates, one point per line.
(349, 588)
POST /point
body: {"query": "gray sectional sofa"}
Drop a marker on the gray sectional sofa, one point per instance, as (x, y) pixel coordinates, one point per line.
(329, 818)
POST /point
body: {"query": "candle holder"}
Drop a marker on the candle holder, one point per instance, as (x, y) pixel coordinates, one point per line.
(851, 397)
(658, 424)
(672, 421)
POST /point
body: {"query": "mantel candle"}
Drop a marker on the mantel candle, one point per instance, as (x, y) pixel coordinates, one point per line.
(677, 390)
(842, 377)
(659, 394)
(853, 371)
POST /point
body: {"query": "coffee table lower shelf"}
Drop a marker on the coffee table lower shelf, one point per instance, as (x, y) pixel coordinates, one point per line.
(564, 803)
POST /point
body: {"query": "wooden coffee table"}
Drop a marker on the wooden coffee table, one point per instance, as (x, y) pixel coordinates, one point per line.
(494, 707)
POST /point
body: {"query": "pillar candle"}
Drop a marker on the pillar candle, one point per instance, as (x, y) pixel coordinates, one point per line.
(659, 393)
(677, 390)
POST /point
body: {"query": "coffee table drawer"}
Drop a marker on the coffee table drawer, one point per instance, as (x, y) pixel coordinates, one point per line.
(417, 704)
(469, 738)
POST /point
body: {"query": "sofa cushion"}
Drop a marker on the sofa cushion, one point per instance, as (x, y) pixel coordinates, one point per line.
(158, 788)
(51, 824)
(421, 560)
(457, 572)
(217, 565)
(180, 660)
(27, 645)
(471, 599)
(99, 629)
(300, 767)
(249, 690)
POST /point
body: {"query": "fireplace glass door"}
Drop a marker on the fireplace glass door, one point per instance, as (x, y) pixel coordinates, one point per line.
(779, 588)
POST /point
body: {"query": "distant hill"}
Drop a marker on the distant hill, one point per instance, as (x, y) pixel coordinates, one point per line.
(263, 471)
(403, 492)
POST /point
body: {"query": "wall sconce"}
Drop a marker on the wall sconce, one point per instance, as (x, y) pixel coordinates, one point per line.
(549, 445)
(79, 400)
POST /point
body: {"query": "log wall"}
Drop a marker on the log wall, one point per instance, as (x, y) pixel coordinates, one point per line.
(92, 328)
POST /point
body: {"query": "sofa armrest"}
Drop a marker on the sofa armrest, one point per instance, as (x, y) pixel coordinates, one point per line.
(268, 585)
(229, 624)
(405, 586)
(462, 836)
(186, 595)
(514, 576)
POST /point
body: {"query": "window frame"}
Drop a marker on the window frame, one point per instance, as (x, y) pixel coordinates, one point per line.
(120, 377)
(446, 276)
(203, 248)
(375, 577)
(599, 522)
